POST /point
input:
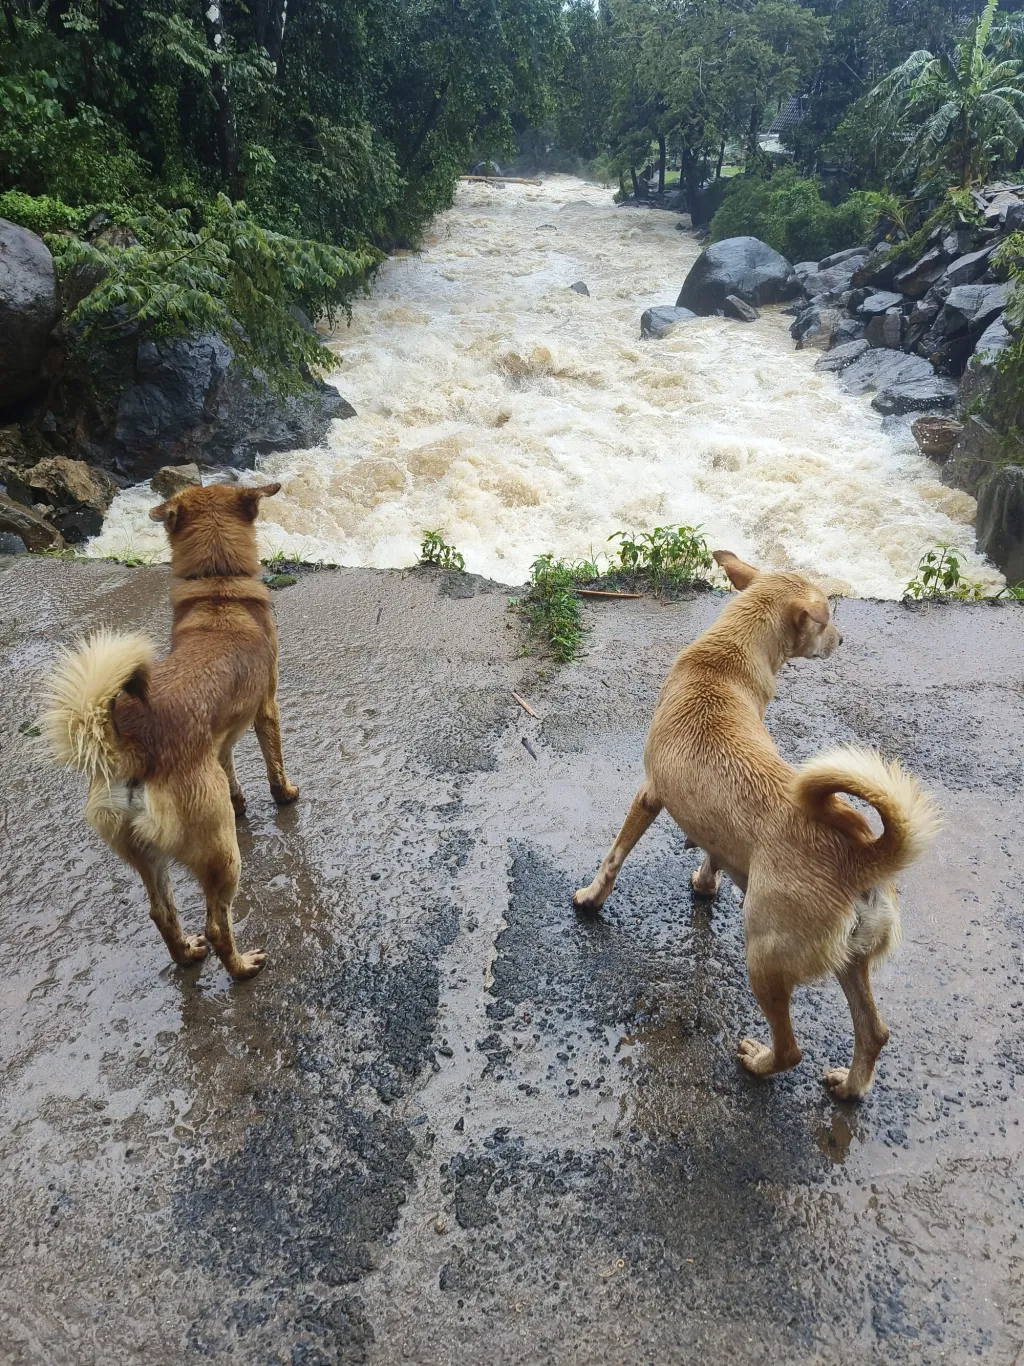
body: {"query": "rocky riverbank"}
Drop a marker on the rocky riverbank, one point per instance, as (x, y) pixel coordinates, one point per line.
(71, 437)
(922, 326)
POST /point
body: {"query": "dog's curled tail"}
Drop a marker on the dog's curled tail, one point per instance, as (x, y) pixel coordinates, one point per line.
(77, 727)
(910, 818)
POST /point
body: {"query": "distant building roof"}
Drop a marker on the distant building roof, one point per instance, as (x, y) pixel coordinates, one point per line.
(793, 111)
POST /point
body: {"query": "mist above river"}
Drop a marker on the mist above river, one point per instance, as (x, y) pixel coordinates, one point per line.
(520, 417)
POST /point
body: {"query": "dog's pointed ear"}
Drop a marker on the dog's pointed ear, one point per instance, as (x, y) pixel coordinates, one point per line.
(805, 611)
(740, 575)
(166, 513)
(250, 499)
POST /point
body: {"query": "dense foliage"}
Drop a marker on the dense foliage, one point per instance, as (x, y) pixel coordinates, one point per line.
(790, 214)
(254, 152)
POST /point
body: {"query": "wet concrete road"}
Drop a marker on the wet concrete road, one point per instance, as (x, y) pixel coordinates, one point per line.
(451, 1122)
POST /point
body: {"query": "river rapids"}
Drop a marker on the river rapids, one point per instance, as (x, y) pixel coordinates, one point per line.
(519, 417)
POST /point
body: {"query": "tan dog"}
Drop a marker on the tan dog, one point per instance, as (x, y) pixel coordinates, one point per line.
(155, 739)
(818, 895)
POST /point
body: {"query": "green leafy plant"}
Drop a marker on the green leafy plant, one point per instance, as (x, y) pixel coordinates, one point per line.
(668, 557)
(939, 575)
(434, 549)
(960, 114)
(551, 603)
(790, 214)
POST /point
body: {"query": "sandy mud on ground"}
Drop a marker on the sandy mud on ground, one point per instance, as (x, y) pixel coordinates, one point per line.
(451, 1122)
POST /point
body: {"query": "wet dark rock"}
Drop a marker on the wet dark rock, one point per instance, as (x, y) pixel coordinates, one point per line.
(966, 269)
(735, 308)
(970, 308)
(918, 278)
(976, 454)
(1000, 522)
(185, 401)
(171, 479)
(878, 271)
(839, 258)
(580, 288)
(11, 544)
(886, 329)
(979, 375)
(34, 531)
(29, 306)
(880, 302)
(659, 322)
(850, 329)
(743, 266)
(904, 383)
(840, 357)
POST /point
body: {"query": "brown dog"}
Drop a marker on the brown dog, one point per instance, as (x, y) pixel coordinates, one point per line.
(818, 895)
(155, 739)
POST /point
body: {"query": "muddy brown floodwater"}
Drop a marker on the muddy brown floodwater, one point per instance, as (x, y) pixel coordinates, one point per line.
(451, 1122)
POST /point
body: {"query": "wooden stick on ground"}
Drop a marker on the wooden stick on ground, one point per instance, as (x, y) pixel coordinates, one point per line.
(502, 179)
(601, 593)
(525, 706)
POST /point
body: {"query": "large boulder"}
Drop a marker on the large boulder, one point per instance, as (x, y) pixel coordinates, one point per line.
(29, 306)
(903, 384)
(1000, 522)
(977, 452)
(659, 322)
(970, 308)
(886, 329)
(879, 302)
(879, 270)
(980, 374)
(743, 266)
(78, 494)
(968, 268)
(833, 278)
(843, 356)
(919, 277)
(182, 400)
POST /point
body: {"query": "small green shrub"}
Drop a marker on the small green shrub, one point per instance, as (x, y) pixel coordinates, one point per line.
(42, 214)
(551, 603)
(790, 215)
(939, 576)
(669, 557)
(434, 549)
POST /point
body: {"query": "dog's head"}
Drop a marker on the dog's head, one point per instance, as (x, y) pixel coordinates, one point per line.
(802, 611)
(211, 529)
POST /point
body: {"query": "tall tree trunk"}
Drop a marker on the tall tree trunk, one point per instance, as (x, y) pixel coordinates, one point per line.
(721, 158)
(273, 39)
(753, 145)
(227, 131)
(661, 163)
(636, 183)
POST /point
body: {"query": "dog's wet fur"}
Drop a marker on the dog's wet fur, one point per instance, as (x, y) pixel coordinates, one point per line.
(156, 738)
(817, 884)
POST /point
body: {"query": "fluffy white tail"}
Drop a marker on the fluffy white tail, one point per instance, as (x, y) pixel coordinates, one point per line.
(910, 818)
(76, 724)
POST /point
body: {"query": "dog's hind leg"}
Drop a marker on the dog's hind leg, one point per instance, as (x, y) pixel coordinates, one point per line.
(772, 983)
(869, 1033)
(151, 866)
(706, 880)
(227, 763)
(268, 733)
(213, 857)
(643, 809)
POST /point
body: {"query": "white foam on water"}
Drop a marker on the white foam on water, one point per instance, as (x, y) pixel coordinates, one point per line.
(519, 417)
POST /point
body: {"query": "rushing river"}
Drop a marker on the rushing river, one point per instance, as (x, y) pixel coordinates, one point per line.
(519, 417)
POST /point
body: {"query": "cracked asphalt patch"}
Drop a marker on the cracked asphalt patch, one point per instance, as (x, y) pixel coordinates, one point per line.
(452, 1121)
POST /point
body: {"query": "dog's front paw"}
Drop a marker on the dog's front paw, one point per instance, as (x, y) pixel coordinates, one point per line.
(838, 1082)
(247, 965)
(586, 901)
(238, 802)
(284, 793)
